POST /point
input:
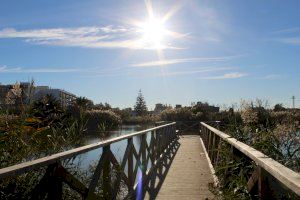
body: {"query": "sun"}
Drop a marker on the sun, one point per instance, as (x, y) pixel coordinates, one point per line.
(153, 33)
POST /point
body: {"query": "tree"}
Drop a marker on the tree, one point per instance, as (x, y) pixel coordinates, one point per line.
(279, 107)
(101, 106)
(84, 103)
(140, 106)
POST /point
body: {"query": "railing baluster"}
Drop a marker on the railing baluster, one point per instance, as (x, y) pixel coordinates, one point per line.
(130, 166)
(162, 139)
(264, 191)
(218, 145)
(144, 158)
(206, 137)
(107, 188)
(209, 142)
(54, 183)
(213, 149)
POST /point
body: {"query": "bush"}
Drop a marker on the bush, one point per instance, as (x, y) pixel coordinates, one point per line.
(182, 114)
(146, 119)
(102, 119)
(254, 116)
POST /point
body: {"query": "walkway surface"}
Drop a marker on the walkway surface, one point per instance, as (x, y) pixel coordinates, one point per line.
(189, 175)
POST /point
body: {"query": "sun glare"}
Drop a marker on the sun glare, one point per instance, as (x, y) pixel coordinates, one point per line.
(153, 33)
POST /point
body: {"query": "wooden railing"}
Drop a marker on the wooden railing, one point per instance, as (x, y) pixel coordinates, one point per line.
(184, 127)
(268, 180)
(132, 172)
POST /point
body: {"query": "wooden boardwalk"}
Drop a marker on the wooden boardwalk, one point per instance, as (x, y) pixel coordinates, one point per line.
(179, 170)
(189, 175)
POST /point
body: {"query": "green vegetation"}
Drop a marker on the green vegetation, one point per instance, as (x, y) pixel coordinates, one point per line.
(44, 129)
(102, 119)
(181, 114)
(140, 106)
(37, 128)
(275, 132)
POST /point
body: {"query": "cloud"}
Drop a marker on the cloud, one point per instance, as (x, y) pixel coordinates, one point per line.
(272, 77)
(288, 36)
(82, 71)
(231, 75)
(289, 40)
(287, 30)
(87, 37)
(5, 69)
(196, 71)
(181, 60)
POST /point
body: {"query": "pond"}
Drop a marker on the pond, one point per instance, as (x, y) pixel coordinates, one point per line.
(86, 160)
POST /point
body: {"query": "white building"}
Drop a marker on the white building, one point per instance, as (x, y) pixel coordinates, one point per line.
(64, 97)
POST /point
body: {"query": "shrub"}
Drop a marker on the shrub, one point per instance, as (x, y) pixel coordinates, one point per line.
(103, 119)
(181, 114)
(253, 116)
(146, 119)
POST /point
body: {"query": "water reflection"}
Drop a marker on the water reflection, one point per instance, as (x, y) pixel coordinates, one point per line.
(118, 148)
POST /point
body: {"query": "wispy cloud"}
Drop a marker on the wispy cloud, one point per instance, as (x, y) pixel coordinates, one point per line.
(87, 37)
(231, 75)
(287, 36)
(82, 71)
(5, 69)
(289, 40)
(196, 71)
(287, 30)
(272, 76)
(182, 60)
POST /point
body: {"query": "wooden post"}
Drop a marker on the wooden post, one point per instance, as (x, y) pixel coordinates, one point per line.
(54, 183)
(144, 158)
(213, 149)
(107, 189)
(206, 137)
(130, 166)
(263, 185)
(218, 144)
(209, 142)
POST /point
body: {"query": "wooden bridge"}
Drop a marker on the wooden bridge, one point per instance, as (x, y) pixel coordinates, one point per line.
(157, 163)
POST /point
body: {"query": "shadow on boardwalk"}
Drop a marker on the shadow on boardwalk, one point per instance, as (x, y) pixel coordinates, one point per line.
(156, 180)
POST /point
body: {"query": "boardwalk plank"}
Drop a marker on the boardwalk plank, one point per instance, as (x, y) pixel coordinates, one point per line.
(189, 174)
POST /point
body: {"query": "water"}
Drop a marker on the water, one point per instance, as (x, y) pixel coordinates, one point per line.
(86, 160)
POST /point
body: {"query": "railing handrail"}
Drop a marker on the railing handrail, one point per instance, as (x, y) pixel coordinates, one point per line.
(286, 176)
(30, 165)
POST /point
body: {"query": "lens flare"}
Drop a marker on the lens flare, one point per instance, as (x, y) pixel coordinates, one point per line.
(153, 32)
(139, 191)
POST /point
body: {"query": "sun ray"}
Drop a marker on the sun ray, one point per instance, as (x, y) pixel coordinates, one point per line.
(177, 6)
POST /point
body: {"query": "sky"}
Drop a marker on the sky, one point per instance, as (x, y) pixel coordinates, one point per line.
(176, 52)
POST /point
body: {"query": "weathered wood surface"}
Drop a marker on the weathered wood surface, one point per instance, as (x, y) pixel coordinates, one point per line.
(109, 169)
(284, 175)
(189, 175)
(35, 164)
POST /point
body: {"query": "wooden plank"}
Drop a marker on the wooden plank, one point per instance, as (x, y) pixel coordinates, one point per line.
(143, 152)
(189, 175)
(107, 187)
(97, 174)
(31, 165)
(286, 176)
(130, 166)
(253, 180)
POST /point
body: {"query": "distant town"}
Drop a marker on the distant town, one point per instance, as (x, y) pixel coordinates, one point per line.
(65, 98)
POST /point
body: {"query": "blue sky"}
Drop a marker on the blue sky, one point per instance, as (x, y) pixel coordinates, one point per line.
(215, 51)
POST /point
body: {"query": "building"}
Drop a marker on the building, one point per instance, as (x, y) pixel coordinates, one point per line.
(205, 107)
(159, 107)
(65, 98)
(178, 106)
(37, 92)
